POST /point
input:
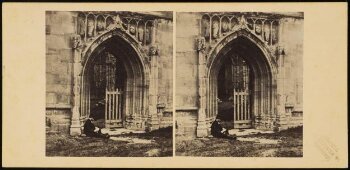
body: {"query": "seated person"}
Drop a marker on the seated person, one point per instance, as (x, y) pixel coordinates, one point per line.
(97, 109)
(225, 108)
(92, 131)
(218, 131)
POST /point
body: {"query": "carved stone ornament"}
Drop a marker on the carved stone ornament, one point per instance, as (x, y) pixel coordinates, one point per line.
(76, 41)
(242, 22)
(258, 29)
(201, 44)
(90, 27)
(225, 26)
(280, 50)
(82, 27)
(153, 50)
(117, 23)
(140, 32)
(206, 29)
(279, 53)
(215, 29)
(132, 29)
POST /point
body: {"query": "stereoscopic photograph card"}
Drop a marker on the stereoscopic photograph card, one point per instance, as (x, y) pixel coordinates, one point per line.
(187, 85)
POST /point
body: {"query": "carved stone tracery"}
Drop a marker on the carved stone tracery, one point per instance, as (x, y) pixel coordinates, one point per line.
(92, 24)
(214, 26)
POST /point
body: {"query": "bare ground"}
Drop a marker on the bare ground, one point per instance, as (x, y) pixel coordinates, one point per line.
(290, 144)
(65, 145)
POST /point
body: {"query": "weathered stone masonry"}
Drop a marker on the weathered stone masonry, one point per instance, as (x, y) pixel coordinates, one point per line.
(141, 41)
(272, 46)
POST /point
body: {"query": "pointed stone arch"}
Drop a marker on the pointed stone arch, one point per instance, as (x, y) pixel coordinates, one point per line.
(263, 65)
(135, 61)
(243, 32)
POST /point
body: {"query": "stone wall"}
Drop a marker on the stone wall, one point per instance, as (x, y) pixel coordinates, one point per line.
(291, 38)
(164, 40)
(166, 119)
(58, 120)
(187, 29)
(59, 76)
(186, 122)
(292, 41)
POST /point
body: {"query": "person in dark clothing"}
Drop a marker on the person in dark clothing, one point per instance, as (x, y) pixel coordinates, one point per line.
(91, 131)
(225, 109)
(218, 131)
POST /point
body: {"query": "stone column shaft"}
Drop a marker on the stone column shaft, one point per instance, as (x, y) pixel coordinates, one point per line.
(280, 115)
(153, 89)
(75, 128)
(201, 126)
(153, 35)
(281, 93)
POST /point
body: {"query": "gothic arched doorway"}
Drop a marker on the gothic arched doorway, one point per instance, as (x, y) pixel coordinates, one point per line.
(234, 86)
(241, 82)
(107, 85)
(114, 88)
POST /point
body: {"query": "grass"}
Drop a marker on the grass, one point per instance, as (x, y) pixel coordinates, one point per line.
(65, 145)
(291, 145)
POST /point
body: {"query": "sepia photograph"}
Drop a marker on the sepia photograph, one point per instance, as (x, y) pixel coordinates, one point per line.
(109, 83)
(239, 84)
(175, 85)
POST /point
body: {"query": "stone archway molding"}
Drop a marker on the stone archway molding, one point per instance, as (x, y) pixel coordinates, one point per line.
(206, 62)
(121, 33)
(244, 32)
(82, 55)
